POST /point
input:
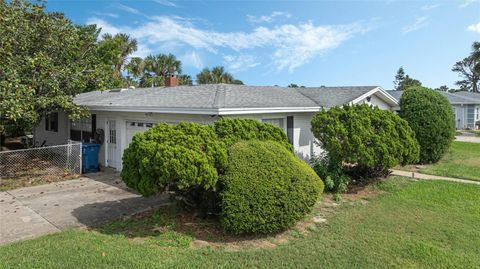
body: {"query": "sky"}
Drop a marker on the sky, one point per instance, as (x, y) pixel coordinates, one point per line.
(311, 43)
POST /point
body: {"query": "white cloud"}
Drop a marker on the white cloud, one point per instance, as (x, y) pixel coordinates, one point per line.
(192, 59)
(467, 3)
(166, 3)
(129, 9)
(106, 14)
(419, 23)
(292, 45)
(268, 18)
(474, 27)
(430, 7)
(240, 62)
(106, 27)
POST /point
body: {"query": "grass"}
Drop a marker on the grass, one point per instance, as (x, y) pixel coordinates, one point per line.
(412, 224)
(461, 161)
(28, 181)
(475, 132)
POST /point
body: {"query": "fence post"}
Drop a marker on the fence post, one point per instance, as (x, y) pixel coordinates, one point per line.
(69, 152)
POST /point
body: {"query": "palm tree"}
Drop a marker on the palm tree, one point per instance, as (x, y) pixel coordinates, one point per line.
(119, 47)
(204, 77)
(185, 80)
(136, 67)
(215, 76)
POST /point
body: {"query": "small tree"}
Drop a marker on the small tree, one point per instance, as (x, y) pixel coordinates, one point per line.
(469, 69)
(403, 82)
(431, 117)
(365, 138)
(44, 60)
(399, 77)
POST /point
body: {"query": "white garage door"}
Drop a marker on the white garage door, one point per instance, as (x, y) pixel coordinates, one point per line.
(134, 127)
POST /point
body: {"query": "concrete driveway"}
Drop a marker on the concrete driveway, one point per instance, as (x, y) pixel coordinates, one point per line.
(34, 211)
(468, 138)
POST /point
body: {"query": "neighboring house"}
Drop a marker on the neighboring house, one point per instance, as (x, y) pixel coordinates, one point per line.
(465, 105)
(120, 113)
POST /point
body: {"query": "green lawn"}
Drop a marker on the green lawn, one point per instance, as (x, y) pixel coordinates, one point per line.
(424, 224)
(461, 161)
(476, 132)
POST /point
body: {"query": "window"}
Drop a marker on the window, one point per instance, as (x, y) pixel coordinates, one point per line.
(84, 124)
(277, 122)
(81, 130)
(51, 122)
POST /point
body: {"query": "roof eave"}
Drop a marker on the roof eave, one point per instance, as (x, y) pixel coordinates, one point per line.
(206, 111)
(392, 101)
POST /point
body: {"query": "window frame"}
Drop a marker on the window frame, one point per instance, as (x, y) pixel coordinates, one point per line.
(51, 122)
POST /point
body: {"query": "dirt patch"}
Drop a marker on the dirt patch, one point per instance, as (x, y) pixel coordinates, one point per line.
(207, 232)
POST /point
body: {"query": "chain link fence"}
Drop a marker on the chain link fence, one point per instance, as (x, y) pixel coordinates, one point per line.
(48, 164)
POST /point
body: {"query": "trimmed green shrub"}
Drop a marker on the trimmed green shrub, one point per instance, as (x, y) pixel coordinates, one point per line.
(232, 130)
(182, 156)
(266, 188)
(365, 137)
(431, 117)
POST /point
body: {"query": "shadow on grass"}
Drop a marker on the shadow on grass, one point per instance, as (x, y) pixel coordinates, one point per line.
(176, 225)
(165, 225)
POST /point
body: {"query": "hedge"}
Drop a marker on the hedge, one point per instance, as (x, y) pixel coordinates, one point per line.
(232, 130)
(365, 136)
(266, 188)
(181, 156)
(430, 115)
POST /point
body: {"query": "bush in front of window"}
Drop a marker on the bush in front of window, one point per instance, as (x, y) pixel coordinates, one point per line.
(431, 117)
(266, 188)
(180, 157)
(232, 130)
(364, 141)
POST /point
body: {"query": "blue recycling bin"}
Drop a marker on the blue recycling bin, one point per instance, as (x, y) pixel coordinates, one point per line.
(90, 157)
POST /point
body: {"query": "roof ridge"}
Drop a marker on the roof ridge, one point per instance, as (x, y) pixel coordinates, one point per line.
(219, 100)
(304, 95)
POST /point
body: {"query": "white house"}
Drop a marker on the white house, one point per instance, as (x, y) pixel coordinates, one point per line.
(120, 113)
(465, 105)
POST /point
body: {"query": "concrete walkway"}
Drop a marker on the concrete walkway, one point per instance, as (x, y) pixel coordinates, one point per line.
(417, 175)
(34, 211)
(468, 138)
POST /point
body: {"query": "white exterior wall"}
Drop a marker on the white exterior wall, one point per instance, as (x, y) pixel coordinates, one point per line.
(303, 139)
(53, 138)
(379, 103)
(121, 119)
(460, 114)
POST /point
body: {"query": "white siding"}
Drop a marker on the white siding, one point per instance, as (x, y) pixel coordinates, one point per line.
(303, 139)
(51, 137)
(376, 101)
(121, 124)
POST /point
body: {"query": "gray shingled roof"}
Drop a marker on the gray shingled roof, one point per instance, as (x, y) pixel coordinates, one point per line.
(453, 98)
(471, 95)
(216, 96)
(334, 96)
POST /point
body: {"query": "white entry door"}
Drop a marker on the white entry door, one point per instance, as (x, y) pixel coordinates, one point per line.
(112, 143)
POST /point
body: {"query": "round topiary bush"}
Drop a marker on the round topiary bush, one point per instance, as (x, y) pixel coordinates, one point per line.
(366, 137)
(183, 156)
(431, 117)
(266, 188)
(232, 130)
